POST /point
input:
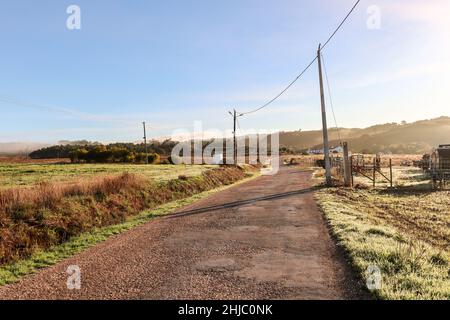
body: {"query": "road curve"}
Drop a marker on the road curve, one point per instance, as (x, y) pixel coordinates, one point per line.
(264, 239)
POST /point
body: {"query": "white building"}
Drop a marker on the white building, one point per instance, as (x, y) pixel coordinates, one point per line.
(338, 149)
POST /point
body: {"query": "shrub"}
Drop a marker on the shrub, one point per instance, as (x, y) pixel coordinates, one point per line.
(105, 154)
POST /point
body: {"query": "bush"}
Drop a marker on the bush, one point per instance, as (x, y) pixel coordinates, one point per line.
(154, 158)
(105, 154)
(69, 150)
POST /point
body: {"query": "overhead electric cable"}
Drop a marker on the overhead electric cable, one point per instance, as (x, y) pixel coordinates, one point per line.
(307, 67)
(239, 126)
(330, 98)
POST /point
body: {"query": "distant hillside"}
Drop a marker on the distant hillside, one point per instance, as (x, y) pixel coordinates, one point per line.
(417, 137)
(414, 138)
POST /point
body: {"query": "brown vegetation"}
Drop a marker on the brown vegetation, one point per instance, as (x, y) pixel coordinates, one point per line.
(49, 214)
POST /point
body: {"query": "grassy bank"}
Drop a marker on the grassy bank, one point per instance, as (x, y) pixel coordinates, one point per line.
(12, 272)
(404, 231)
(51, 214)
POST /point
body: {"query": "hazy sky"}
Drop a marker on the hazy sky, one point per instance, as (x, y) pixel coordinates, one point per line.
(173, 62)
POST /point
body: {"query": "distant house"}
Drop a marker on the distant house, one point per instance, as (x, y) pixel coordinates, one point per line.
(315, 151)
(338, 149)
(218, 158)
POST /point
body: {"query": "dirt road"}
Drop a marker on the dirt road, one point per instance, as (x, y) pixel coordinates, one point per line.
(264, 239)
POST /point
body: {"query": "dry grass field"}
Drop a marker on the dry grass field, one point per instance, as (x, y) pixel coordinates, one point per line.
(403, 231)
(29, 174)
(42, 205)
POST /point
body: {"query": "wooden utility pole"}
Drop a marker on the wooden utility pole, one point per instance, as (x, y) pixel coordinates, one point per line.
(145, 143)
(258, 159)
(326, 149)
(234, 138)
(235, 116)
(347, 169)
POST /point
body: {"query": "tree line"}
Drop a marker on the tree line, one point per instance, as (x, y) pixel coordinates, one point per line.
(111, 153)
(105, 154)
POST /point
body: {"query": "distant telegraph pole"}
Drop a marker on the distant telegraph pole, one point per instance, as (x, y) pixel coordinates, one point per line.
(326, 149)
(235, 116)
(234, 138)
(145, 143)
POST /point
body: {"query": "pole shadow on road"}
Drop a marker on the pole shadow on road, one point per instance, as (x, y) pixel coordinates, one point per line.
(240, 203)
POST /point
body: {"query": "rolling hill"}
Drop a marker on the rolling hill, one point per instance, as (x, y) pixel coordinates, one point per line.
(418, 137)
(399, 138)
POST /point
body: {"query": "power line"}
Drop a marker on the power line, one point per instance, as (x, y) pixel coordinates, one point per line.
(70, 112)
(37, 106)
(239, 126)
(307, 67)
(330, 98)
(285, 89)
(340, 25)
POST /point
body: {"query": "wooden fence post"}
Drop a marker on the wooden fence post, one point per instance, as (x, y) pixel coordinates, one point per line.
(390, 171)
(374, 172)
(351, 170)
(347, 170)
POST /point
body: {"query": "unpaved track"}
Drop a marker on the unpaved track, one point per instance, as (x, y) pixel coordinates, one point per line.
(264, 239)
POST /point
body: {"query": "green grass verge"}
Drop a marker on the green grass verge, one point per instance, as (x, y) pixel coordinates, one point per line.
(11, 273)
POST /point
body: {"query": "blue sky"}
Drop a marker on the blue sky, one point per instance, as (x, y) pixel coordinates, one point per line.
(174, 62)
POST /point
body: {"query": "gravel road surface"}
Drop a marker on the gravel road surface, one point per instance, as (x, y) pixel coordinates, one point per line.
(263, 239)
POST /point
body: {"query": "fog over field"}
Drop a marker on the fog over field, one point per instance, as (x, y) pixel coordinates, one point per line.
(19, 148)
